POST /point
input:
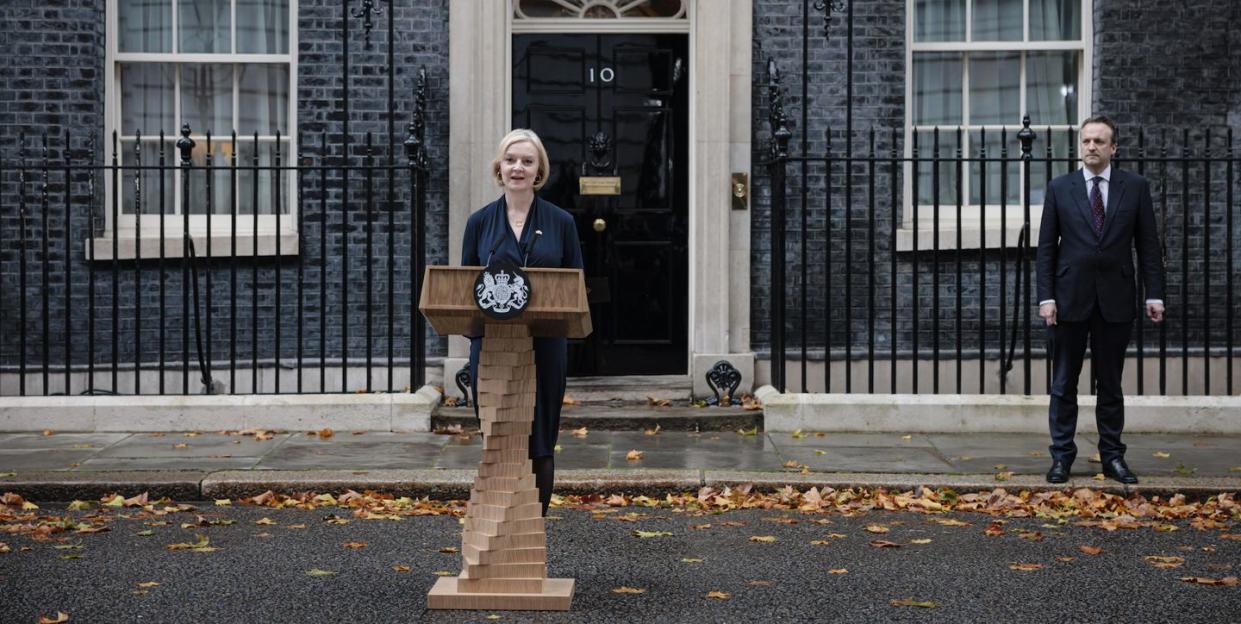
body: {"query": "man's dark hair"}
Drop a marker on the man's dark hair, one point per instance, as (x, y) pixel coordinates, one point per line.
(1101, 119)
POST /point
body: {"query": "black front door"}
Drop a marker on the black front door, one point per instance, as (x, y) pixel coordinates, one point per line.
(609, 106)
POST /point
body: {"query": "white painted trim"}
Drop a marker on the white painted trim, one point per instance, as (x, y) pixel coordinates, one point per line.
(610, 26)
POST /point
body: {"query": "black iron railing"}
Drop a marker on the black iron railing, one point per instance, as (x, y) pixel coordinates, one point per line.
(914, 257)
(90, 306)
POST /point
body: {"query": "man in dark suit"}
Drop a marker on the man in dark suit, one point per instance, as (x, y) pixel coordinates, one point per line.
(1093, 219)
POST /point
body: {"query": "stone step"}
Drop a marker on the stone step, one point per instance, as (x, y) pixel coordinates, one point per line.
(626, 417)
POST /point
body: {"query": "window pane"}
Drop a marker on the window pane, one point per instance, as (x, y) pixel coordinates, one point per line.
(263, 26)
(133, 180)
(1051, 93)
(207, 98)
(995, 89)
(221, 189)
(248, 180)
(144, 25)
(937, 88)
(203, 26)
(146, 98)
(263, 102)
(997, 20)
(1055, 20)
(947, 171)
(939, 20)
(995, 169)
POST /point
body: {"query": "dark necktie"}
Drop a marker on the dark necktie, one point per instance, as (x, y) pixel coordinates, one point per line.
(1096, 205)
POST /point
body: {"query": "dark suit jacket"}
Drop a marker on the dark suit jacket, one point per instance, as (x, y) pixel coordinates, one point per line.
(1078, 269)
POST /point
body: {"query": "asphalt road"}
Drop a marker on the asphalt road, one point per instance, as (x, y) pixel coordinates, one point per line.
(259, 573)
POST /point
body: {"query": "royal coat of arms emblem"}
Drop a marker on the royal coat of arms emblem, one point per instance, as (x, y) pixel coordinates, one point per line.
(502, 290)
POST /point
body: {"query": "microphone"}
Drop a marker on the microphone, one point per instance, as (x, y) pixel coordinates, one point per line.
(494, 246)
(530, 245)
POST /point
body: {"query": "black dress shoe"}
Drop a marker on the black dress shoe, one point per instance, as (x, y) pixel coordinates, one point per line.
(1059, 472)
(1118, 470)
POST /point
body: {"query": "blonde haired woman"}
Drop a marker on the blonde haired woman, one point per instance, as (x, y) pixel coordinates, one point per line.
(524, 229)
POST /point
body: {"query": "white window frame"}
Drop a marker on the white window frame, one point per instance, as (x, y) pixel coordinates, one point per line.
(126, 226)
(972, 225)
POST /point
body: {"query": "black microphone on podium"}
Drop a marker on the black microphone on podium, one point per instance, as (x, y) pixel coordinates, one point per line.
(494, 246)
(528, 246)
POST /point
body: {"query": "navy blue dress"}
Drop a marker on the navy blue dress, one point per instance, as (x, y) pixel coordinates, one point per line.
(556, 247)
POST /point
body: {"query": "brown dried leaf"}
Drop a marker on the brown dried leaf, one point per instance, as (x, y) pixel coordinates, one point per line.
(627, 590)
(61, 617)
(765, 539)
(876, 528)
(580, 433)
(993, 530)
(1227, 581)
(401, 568)
(838, 571)
(884, 544)
(1025, 567)
(634, 455)
(719, 595)
(1090, 550)
(325, 433)
(354, 544)
(1165, 562)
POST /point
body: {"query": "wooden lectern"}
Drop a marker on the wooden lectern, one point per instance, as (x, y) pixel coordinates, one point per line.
(504, 542)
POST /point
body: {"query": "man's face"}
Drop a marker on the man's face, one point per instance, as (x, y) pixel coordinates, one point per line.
(1097, 146)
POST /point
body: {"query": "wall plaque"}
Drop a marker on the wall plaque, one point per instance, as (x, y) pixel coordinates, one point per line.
(599, 185)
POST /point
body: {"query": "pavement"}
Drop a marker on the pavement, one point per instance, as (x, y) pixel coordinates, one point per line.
(204, 465)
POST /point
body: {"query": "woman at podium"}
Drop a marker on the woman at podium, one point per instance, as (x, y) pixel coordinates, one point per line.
(528, 231)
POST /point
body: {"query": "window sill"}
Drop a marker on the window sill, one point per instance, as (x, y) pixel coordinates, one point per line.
(129, 246)
(973, 235)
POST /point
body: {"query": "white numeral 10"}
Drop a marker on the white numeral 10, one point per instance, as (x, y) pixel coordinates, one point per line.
(605, 75)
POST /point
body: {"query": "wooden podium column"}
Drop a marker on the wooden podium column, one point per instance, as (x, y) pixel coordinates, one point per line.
(504, 542)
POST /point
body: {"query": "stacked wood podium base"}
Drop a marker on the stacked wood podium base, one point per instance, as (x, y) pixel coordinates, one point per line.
(504, 542)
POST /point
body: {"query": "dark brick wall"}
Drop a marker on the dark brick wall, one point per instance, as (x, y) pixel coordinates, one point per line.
(54, 83)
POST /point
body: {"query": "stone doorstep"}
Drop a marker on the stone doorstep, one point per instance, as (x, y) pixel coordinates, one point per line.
(950, 413)
(626, 417)
(400, 412)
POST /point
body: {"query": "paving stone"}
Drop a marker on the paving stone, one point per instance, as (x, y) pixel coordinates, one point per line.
(37, 441)
(42, 460)
(373, 450)
(868, 459)
(203, 445)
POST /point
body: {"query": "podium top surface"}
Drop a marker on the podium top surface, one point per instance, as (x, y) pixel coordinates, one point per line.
(557, 304)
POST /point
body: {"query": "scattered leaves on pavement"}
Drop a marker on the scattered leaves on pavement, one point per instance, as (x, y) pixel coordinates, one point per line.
(876, 528)
(1004, 476)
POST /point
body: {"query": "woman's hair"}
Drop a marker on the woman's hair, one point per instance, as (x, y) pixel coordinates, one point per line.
(517, 136)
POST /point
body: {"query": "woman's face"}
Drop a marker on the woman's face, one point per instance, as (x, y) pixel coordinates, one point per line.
(519, 166)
